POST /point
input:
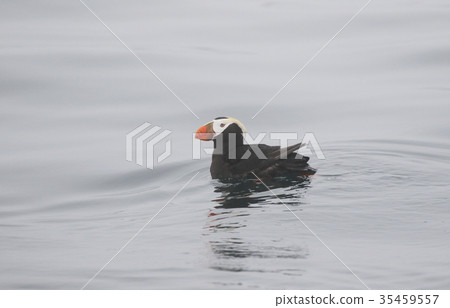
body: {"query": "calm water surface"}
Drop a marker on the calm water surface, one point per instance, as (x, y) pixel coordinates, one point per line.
(377, 100)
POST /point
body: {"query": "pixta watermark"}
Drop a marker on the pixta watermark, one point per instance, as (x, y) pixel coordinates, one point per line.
(309, 145)
(142, 145)
(148, 145)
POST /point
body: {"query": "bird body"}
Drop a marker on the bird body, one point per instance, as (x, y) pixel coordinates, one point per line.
(233, 159)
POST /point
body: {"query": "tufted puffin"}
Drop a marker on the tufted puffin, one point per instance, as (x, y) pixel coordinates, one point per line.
(234, 159)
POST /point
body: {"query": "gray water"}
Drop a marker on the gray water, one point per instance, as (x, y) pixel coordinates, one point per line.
(376, 98)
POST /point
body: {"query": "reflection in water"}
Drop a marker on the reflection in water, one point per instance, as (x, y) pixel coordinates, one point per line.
(244, 193)
(235, 243)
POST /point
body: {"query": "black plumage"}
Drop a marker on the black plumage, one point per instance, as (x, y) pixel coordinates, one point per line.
(234, 159)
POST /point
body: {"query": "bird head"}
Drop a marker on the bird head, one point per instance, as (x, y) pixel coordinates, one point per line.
(218, 126)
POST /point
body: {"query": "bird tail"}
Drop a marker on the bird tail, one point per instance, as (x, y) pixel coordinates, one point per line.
(296, 164)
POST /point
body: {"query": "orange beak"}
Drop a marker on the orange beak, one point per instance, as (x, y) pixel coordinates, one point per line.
(206, 132)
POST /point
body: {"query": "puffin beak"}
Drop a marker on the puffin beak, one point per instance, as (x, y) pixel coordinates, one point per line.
(205, 132)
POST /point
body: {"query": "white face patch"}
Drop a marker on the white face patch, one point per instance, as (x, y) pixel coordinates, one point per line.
(220, 125)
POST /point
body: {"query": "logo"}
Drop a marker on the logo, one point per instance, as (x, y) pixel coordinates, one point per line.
(143, 141)
(309, 145)
(145, 145)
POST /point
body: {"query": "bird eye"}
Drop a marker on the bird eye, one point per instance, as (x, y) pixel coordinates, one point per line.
(222, 125)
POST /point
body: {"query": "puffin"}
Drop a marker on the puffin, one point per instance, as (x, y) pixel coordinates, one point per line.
(232, 159)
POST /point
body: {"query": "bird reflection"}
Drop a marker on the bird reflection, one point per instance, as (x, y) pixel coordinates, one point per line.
(232, 222)
(246, 193)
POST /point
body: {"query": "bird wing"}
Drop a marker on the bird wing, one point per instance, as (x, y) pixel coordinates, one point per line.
(278, 160)
(273, 152)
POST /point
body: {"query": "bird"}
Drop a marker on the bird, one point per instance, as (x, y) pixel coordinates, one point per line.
(232, 159)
